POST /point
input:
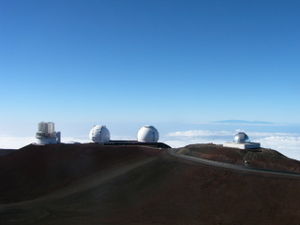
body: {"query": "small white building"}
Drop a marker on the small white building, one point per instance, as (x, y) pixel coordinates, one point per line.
(147, 134)
(46, 134)
(242, 141)
(99, 134)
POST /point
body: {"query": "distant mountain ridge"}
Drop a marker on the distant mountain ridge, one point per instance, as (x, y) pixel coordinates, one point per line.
(244, 122)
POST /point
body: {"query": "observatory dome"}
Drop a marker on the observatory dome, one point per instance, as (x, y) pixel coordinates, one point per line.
(147, 134)
(241, 137)
(99, 134)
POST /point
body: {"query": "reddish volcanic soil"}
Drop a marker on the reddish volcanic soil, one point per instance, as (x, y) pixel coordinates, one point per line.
(258, 158)
(37, 170)
(136, 185)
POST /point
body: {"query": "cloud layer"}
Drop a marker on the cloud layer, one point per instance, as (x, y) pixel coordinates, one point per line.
(7, 142)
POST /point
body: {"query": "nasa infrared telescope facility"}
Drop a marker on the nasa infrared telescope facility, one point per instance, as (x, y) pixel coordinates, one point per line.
(242, 141)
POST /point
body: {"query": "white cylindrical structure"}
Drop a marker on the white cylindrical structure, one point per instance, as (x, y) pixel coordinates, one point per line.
(51, 128)
(43, 127)
(46, 140)
(148, 134)
(99, 134)
(46, 134)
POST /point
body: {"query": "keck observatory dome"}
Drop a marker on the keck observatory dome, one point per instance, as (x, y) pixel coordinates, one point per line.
(99, 134)
(147, 134)
(241, 137)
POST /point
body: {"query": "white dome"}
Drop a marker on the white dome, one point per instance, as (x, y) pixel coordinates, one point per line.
(99, 134)
(241, 137)
(148, 134)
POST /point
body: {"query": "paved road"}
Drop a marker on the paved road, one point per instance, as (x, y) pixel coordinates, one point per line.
(233, 166)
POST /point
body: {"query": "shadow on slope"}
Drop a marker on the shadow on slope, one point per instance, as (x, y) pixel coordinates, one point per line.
(37, 170)
(260, 158)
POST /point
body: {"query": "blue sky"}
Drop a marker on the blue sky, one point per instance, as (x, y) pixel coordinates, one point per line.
(159, 62)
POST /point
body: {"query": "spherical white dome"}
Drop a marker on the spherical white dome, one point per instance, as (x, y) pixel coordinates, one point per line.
(241, 137)
(147, 134)
(99, 134)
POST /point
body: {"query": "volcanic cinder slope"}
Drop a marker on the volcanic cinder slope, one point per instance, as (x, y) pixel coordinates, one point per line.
(5, 151)
(96, 184)
(256, 158)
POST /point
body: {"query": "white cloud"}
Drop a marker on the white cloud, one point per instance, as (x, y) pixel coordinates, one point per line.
(72, 139)
(199, 133)
(268, 134)
(209, 133)
(7, 142)
(287, 145)
(183, 142)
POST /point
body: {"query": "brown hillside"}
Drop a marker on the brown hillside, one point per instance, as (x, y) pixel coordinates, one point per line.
(93, 184)
(37, 170)
(5, 152)
(259, 158)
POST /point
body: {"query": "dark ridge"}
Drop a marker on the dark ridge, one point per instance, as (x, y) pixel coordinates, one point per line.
(151, 144)
(6, 151)
(95, 184)
(36, 170)
(259, 158)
